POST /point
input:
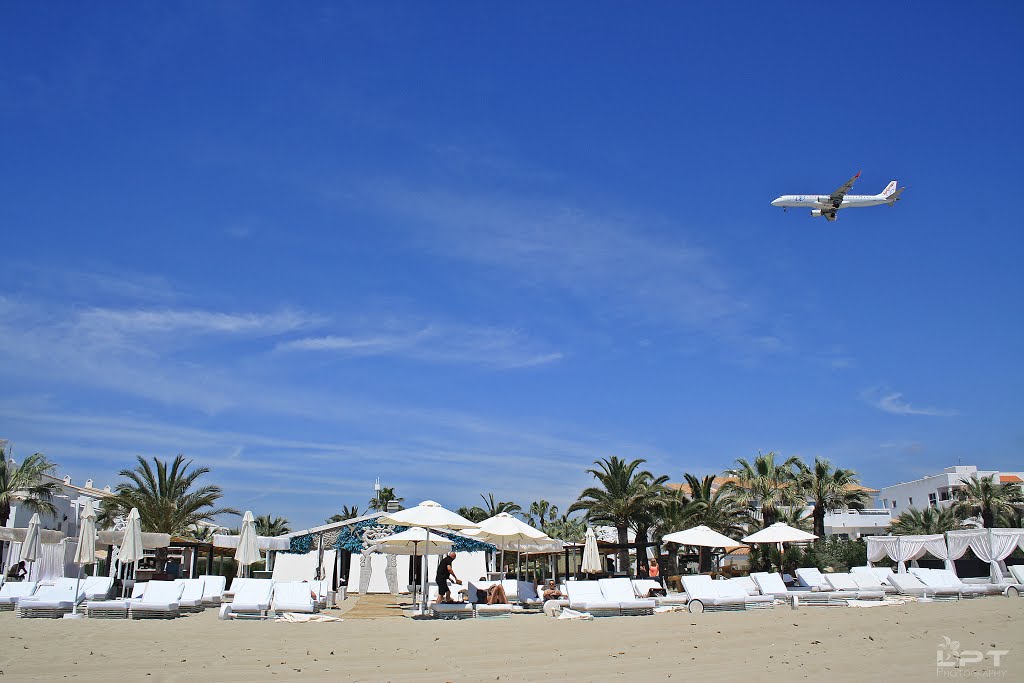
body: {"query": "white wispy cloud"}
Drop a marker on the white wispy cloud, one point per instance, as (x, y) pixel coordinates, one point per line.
(440, 343)
(124, 322)
(628, 267)
(892, 402)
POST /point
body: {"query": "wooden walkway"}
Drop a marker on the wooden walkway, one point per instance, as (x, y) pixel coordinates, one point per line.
(372, 607)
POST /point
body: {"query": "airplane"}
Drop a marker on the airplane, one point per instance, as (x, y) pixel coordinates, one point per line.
(829, 205)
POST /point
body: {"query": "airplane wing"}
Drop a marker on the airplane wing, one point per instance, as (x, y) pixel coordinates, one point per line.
(837, 197)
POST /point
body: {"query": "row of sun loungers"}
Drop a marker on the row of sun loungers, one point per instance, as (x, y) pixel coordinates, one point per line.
(160, 599)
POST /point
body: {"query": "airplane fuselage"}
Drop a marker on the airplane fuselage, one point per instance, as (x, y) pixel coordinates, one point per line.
(816, 201)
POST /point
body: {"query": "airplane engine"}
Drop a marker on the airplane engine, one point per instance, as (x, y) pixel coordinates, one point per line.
(815, 212)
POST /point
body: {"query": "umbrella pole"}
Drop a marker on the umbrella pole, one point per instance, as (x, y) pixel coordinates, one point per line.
(426, 567)
(78, 580)
(415, 556)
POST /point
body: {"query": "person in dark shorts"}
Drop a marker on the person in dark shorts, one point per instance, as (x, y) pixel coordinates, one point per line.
(444, 574)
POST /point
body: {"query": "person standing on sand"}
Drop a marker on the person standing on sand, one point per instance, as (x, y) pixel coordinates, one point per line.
(653, 570)
(444, 573)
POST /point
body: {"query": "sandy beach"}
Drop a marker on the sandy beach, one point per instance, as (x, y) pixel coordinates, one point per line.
(892, 643)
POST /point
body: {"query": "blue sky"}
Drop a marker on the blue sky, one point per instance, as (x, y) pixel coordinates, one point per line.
(470, 248)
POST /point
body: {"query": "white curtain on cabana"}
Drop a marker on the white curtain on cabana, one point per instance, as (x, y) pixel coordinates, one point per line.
(958, 542)
(902, 548)
(49, 564)
(878, 547)
(936, 546)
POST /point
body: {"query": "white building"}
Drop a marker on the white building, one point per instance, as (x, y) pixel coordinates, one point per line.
(936, 490)
(70, 502)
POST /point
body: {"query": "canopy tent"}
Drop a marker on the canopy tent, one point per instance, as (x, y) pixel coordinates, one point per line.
(902, 549)
(989, 545)
(409, 542)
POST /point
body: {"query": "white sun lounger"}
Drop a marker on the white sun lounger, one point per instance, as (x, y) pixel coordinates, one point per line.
(879, 575)
(621, 590)
(771, 583)
(252, 599)
(213, 589)
(159, 601)
(97, 587)
(294, 596)
(51, 602)
(192, 595)
(810, 577)
(117, 608)
(586, 596)
(747, 584)
(729, 588)
(943, 578)
(910, 584)
(12, 591)
(642, 588)
(525, 594)
(845, 583)
(703, 596)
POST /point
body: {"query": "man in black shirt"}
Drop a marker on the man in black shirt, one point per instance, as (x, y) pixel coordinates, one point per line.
(444, 573)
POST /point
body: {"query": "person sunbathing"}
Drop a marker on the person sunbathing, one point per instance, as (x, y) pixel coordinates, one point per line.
(551, 592)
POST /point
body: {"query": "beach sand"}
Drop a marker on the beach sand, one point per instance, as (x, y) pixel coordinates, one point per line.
(814, 643)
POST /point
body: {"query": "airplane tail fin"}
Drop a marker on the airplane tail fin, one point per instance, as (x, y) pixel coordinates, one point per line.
(889, 190)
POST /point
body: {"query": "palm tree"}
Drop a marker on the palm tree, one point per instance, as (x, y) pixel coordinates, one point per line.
(380, 500)
(764, 485)
(541, 512)
(565, 528)
(924, 522)
(167, 498)
(830, 488)
(493, 507)
(624, 494)
(987, 498)
(474, 514)
(796, 517)
(265, 526)
(25, 484)
(716, 508)
(346, 513)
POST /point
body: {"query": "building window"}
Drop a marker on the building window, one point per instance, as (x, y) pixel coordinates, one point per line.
(910, 500)
(943, 495)
(894, 505)
(933, 500)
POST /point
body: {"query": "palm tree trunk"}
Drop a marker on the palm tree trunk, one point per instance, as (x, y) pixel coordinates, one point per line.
(703, 559)
(623, 548)
(987, 518)
(819, 521)
(671, 566)
(642, 565)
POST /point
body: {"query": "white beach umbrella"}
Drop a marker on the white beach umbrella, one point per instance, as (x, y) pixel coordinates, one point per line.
(427, 515)
(85, 553)
(32, 546)
(248, 550)
(779, 533)
(130, 550)
(412, 542)
(592, 563)
(504, 530)
(701, 536)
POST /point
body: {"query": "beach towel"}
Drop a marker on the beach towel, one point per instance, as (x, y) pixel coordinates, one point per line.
(575, 616)
(297, 618)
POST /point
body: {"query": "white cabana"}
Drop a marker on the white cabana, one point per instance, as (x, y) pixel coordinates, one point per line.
(592, 563)
(989, 545)
(903, 549)
(412, 541)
